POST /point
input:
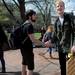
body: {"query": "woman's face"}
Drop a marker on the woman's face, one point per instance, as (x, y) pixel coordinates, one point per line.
(60, 8)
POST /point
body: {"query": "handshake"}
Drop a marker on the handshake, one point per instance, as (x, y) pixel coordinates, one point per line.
(47, 44)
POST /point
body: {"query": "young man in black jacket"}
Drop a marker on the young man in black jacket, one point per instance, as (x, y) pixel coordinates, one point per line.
(63, 33)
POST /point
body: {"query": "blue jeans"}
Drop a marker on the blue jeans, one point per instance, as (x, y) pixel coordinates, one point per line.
(49, 50)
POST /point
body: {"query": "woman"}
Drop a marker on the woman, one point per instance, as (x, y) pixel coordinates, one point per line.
(48, 36)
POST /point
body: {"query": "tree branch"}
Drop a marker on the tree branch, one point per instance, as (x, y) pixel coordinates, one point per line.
(16, 3)
(10, 11)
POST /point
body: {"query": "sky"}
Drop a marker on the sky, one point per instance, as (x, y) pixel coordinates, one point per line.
(69, 5)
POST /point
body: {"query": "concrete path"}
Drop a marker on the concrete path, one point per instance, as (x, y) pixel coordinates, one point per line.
(44, 65)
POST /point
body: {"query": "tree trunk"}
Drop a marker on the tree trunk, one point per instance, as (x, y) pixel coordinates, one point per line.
(22, 9)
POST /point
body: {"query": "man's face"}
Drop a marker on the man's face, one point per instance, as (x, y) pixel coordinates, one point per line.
(60, 8)
(33, 18)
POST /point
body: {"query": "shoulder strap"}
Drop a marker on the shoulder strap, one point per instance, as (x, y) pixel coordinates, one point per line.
(24, 40)
(23, 27)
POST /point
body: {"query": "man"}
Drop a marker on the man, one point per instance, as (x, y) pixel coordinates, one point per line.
(27, 47)
(63, 31)
(63, 34)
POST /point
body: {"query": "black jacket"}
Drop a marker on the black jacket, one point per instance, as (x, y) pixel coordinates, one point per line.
(64, 33)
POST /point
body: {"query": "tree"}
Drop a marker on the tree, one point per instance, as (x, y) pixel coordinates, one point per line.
(45, 7)
(21, 7)
(8, 9)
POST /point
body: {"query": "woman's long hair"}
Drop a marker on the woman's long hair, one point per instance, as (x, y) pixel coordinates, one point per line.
(50, 28)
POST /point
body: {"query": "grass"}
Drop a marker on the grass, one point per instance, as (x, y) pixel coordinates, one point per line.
(37, 35)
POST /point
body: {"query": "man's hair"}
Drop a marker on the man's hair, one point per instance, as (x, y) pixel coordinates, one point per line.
(59, 1)
(29, 13)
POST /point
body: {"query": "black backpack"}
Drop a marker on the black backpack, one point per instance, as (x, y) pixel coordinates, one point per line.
(17, 37)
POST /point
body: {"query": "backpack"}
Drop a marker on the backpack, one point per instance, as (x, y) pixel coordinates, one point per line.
(17, 37)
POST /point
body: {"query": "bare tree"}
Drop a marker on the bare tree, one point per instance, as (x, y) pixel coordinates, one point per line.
(21, 7)
(45, 7)
(8, 9)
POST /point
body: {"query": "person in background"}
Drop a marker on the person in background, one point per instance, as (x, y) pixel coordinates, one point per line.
(3, 39)
(63, 33)
(42, 33)
(48, 36)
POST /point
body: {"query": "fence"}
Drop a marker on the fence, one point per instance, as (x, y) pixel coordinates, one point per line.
(71, 66)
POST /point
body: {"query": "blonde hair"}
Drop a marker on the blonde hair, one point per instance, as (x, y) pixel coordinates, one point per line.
(59, 1)
(50, 28)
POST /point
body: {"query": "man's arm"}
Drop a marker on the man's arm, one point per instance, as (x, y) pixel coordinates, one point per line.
(35, 41)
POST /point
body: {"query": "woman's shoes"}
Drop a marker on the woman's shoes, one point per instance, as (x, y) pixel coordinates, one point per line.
(51, 56)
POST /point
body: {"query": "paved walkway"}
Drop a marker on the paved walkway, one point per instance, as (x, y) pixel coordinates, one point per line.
(43, 64)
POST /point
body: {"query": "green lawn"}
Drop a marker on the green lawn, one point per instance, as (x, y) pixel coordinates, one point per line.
(37, 35)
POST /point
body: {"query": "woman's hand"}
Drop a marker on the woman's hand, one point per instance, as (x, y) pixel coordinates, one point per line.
(48, 44)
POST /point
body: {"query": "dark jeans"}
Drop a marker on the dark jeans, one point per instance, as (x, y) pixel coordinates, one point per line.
(62, 61)
(2, 61)
(50, 50)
